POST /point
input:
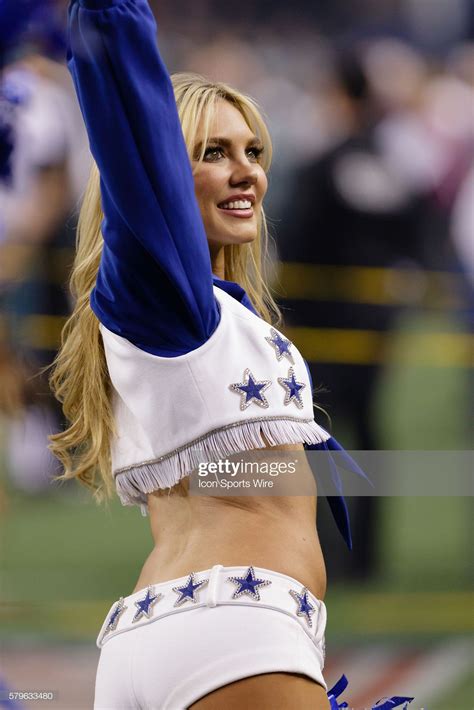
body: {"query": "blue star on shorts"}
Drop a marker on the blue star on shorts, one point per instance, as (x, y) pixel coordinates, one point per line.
(280, 344)
(144, 606)
(188, 591)
(248, 584)
(304, 607)
(292, 388)
(114, 617)
(251, 390)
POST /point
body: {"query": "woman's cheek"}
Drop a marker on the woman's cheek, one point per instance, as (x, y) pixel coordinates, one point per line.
(204, 190)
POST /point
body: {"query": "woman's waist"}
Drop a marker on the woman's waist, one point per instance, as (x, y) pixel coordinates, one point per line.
(192, 519)
(287, 543)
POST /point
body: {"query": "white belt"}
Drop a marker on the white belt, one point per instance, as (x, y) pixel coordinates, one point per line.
(255, 586)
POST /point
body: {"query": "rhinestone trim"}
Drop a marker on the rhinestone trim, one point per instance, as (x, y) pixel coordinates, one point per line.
(194, 442)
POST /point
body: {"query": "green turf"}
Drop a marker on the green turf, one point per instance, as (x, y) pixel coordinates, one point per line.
(65, 547)
(422, 408)
(459, 698)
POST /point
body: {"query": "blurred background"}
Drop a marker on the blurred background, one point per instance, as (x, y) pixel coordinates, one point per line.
(371, 204)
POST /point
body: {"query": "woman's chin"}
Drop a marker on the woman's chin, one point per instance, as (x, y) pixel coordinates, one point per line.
(225, 238)
(240, 237)
(246, 240)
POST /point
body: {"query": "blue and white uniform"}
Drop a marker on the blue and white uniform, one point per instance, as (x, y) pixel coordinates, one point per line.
(182, 343)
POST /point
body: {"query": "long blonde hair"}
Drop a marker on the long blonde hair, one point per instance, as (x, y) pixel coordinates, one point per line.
(80, 379)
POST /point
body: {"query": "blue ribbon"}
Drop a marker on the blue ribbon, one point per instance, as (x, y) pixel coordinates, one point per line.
(337, 502)
(336, 691)
(387, 703)
(390, 703)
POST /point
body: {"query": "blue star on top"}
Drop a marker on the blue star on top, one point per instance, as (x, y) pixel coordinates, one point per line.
(282, 345)
(144, 606)
(188, 591)
(293, 388)
(248, 584)
(251, 390)
(304, 607)
(117, 611)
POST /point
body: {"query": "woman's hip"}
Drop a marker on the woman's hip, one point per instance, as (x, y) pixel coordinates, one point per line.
(170, 644)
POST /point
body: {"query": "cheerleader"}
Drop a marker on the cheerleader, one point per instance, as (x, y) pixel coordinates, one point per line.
(172, 360)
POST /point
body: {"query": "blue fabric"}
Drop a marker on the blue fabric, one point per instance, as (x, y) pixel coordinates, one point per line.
(236, 292)
(14, 18)
(384, 704)
(332, 483)
(154, 285)
(336, 691)
(335, 498)
(27, 21)
(393, 702)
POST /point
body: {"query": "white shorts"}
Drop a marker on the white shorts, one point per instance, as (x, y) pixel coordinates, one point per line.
(164, 647)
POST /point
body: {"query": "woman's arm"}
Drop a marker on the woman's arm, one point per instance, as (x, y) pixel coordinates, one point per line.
(155, 282)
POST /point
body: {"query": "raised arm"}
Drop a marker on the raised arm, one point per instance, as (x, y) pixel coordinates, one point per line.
(155, 281)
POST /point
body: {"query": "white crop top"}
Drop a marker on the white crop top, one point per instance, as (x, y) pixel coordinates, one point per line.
(172, 414)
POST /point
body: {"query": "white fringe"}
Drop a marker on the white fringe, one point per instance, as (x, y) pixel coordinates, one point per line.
(134, 482)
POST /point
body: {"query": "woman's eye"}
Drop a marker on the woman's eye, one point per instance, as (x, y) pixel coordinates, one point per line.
(255, 153)
(213, 153)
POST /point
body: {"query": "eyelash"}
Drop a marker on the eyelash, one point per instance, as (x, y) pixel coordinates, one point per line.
(218, 149)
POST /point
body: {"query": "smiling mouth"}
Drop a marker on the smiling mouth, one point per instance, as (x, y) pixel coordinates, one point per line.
(236, 205)
(238, 208)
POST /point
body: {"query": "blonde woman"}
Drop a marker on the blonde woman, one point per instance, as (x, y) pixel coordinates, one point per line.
(170, 362)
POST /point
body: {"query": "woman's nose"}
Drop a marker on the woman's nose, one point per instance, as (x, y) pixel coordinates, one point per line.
(244, 172)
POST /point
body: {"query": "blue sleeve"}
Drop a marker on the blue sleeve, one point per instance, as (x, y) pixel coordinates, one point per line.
(154, 285)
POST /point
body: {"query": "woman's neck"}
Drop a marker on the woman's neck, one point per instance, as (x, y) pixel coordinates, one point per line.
(218, 262)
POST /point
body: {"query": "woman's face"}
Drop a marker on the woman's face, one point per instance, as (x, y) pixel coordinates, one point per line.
(230, 183)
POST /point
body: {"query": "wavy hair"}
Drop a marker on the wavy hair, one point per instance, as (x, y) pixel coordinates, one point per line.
(80, 378)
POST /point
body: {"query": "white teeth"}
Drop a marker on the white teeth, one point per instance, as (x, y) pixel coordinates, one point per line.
(238, 205)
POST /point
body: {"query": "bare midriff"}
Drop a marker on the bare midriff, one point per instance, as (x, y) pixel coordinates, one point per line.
(195, 532)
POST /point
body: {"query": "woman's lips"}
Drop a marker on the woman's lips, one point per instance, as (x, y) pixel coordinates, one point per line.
(240, 214)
